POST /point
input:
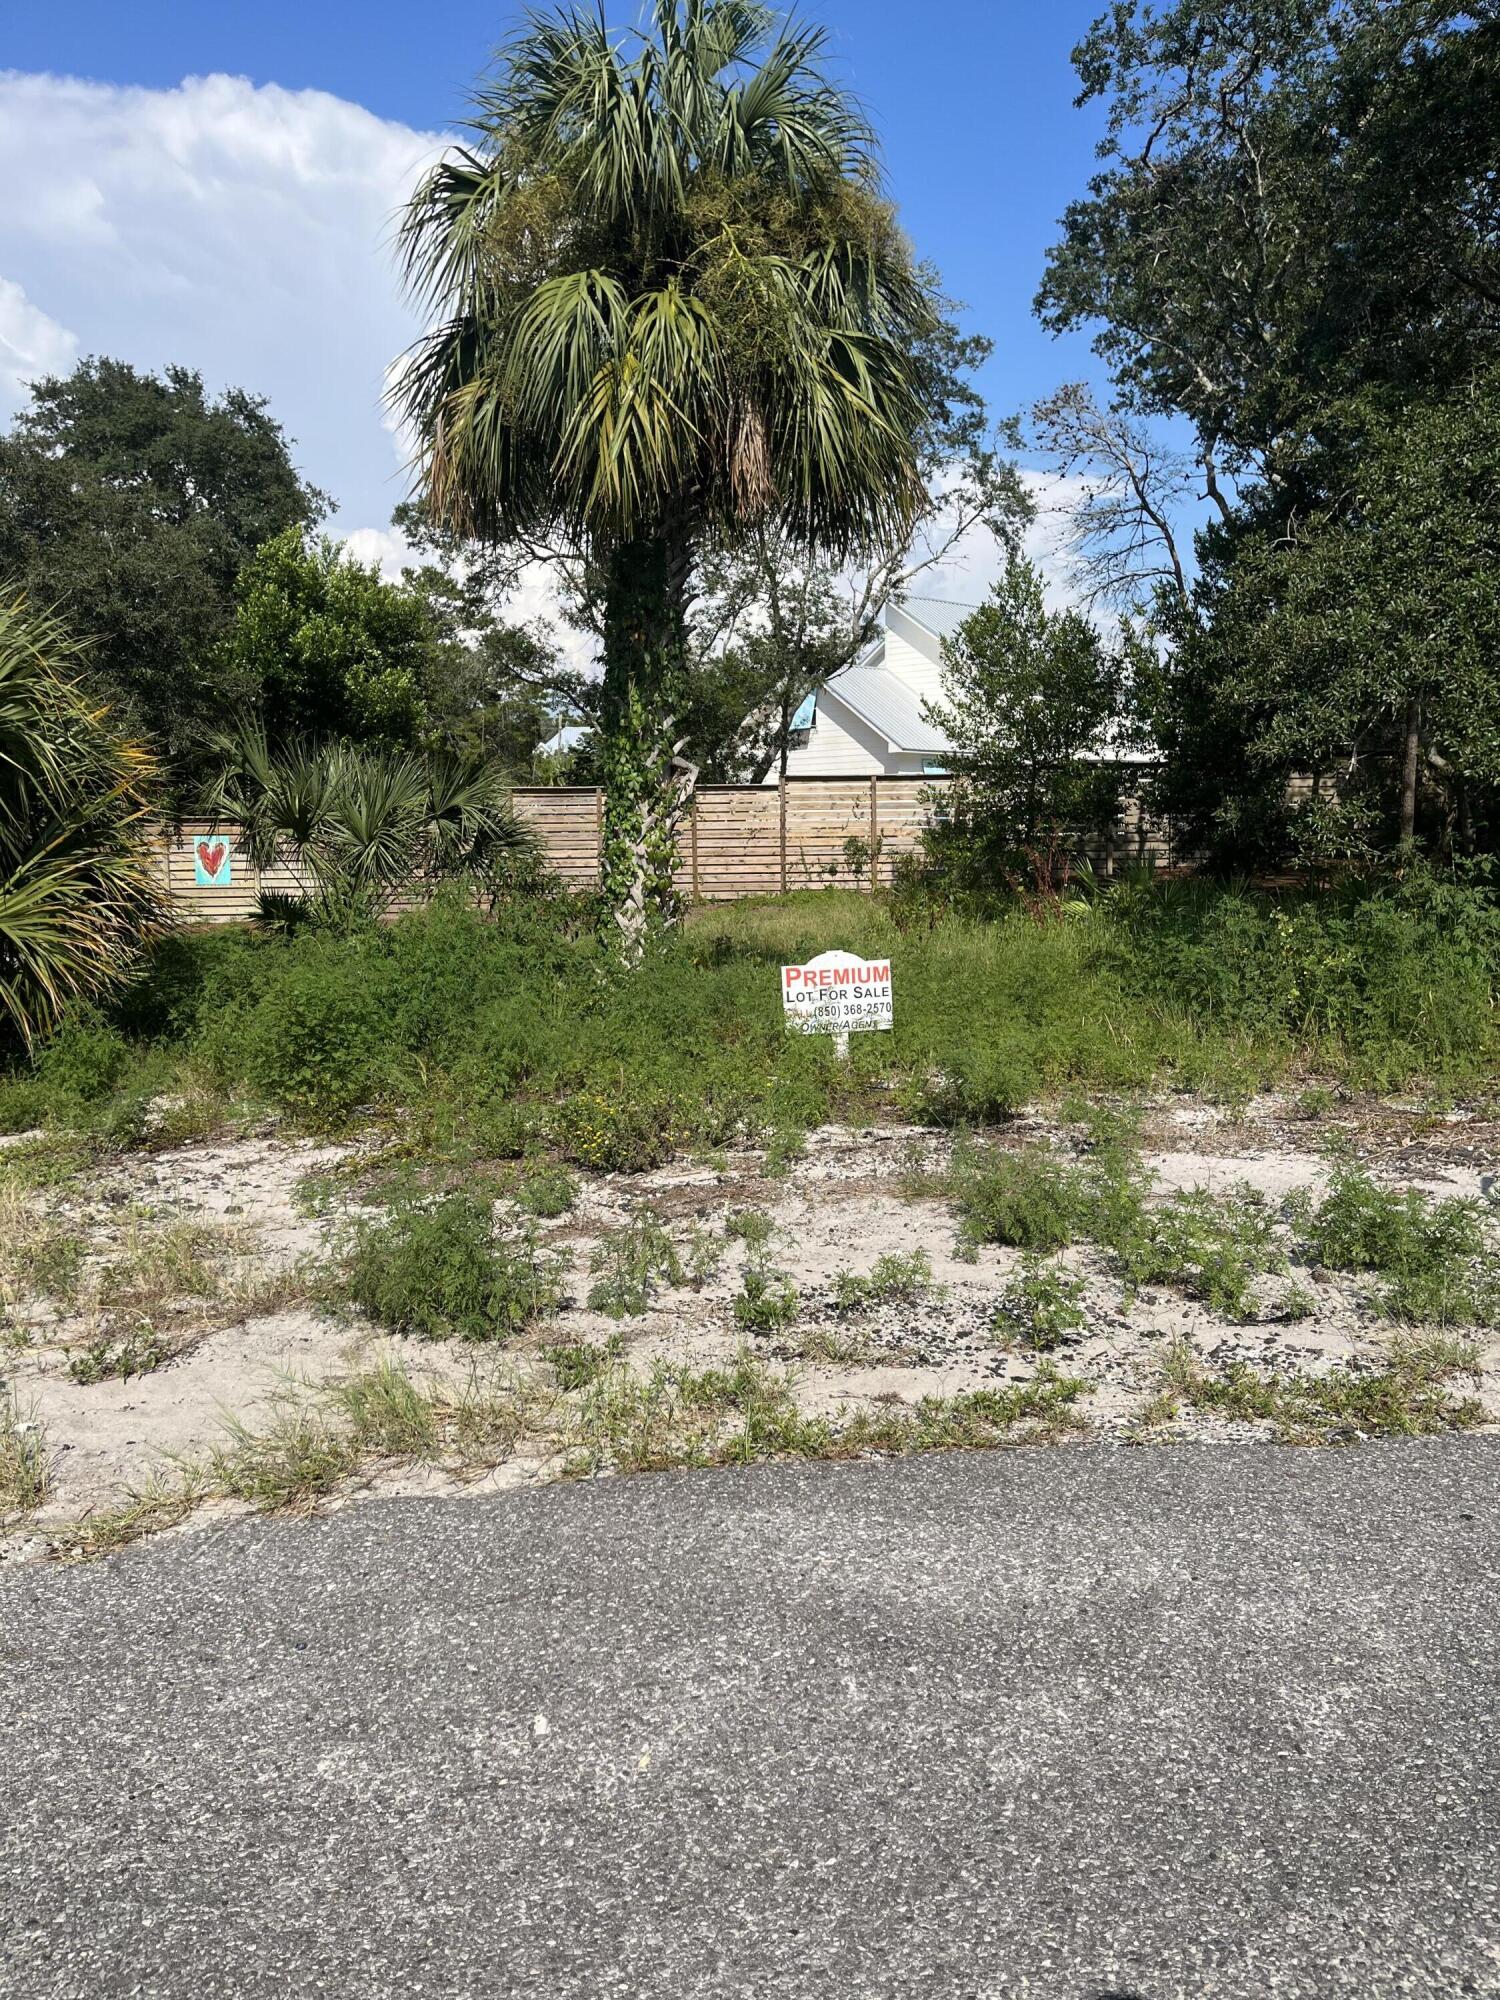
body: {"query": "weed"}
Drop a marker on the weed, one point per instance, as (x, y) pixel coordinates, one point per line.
(1433, 1254)
(441, 1269)
(1317, 1102)
(766, 1301)
(1296, 1303)
(750, 1226)
(546, 1192)
(1408, 1396)
(578, 1364)
(1212, 1247)
(1041, 1307)
(25, 1461)
(139, 1353)
(784, 1149)
(145, 1510)
(1030, 1200)
(631, 1264)
(628, 1131)
(836, 1347)
(703, 1253)
(894, 1279)
(386, 1412)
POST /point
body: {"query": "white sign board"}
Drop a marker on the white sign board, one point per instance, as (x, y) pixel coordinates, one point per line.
(837, 994)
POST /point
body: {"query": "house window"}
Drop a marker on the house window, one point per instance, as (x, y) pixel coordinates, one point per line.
(933, 768)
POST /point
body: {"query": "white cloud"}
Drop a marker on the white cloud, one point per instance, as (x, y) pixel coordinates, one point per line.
(244, 231)
(966, 573)
(31, 344)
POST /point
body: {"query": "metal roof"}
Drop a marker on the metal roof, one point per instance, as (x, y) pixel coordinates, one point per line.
(889, 706)
(940, 615)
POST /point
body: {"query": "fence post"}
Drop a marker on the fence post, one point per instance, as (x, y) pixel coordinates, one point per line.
(781, 788)
(693, 842)
(599, 835)
(874, 833)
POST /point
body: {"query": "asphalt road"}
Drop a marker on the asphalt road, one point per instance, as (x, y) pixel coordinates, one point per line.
(1081, 1724)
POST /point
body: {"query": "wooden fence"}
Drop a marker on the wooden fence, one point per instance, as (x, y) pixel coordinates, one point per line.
(739, 840)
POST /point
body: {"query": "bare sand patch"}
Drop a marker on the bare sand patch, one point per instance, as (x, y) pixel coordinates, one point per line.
(853, 1198)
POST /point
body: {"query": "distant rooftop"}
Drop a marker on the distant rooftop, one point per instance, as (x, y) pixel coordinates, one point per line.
(941, 615)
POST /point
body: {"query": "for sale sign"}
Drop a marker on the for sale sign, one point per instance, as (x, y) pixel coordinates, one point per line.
(837, 994)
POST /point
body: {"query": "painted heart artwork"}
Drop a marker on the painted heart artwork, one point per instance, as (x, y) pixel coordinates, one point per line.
(212, 864)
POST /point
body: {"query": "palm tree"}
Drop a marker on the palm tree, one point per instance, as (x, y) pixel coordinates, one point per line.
(361, 825)
(668, 302)
(79, 878)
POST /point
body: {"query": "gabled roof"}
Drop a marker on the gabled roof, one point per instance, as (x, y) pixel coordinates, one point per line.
(889, 707)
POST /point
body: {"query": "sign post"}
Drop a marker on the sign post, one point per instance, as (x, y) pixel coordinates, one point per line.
(837, 994)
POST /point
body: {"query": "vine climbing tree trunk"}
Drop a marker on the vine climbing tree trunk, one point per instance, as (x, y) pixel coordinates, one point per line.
(648, 783)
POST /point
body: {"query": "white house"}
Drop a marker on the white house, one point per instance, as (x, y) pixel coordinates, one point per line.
(868, 719)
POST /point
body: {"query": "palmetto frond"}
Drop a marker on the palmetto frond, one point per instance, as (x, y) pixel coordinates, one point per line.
(79, 894)
(613, 357)
(362, 825)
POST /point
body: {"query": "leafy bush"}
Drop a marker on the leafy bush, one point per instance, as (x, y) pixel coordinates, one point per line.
(315, 1042)
(618, 1132)
(1433, 1253)
(1041, 1306)
(1030, 1200)
(440, 1270)
(85, 1059)
(547, 1192)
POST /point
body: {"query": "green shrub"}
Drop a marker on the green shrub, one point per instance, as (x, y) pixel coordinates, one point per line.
(546, 1192)
(1434, 1254)
(1030, 1200)
(1212, 1247)
(316, 1041)
(85, 1059)
(1041, 1306)
(442, 1270)
(622, 1131)
(766, 1301)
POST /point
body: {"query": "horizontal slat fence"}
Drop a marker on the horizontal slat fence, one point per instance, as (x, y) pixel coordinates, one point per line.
(738, 840)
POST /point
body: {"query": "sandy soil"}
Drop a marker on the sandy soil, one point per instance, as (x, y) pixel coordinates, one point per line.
(843, 1205)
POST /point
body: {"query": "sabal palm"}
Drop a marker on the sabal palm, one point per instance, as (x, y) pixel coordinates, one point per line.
(79, 883)
(669, 302)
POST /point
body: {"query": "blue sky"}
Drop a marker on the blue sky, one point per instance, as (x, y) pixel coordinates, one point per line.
(244, 229)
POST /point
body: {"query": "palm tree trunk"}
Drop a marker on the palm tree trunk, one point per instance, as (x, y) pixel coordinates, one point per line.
(645, 790)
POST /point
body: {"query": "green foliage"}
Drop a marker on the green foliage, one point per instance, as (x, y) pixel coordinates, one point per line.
(364, 825)
(439, 1270)
(896, 1278)
(85, 1059)
(1029, 1200)
(1409, 1397)
(546, 1192)
(1031, 703)
(138, 1353)
(1298, 264)
(334, 650)
(767, 1299)
(1434, 1255)
(631, 1264)
(628, 1132)
(79, 898)
(579, 1364)
(1041, 1306)
(315, 1042)
(1213, 1247)
(687, 322)
(25, 1460)
(130, 502)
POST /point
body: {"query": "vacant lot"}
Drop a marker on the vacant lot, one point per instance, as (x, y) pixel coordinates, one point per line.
(451, 1204)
